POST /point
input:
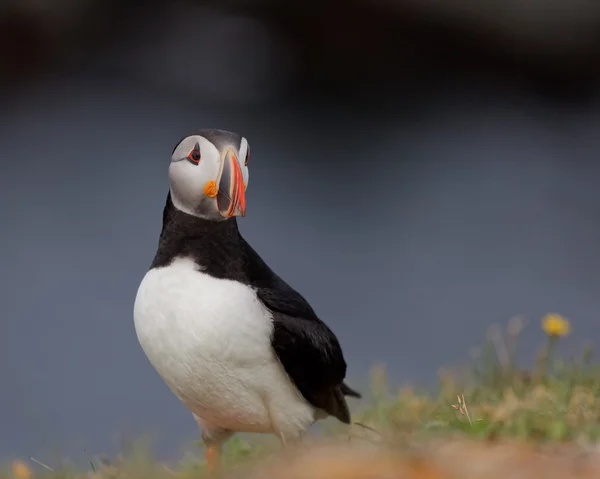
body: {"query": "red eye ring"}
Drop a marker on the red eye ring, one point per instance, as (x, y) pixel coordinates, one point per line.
(194, 156)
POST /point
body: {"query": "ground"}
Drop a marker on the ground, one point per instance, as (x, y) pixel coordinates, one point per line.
(494, 419)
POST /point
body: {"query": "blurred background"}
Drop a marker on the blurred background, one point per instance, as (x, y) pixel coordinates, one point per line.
(420, 170)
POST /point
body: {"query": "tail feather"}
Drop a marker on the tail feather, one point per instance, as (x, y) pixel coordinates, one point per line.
(333, 402)
(348, 391)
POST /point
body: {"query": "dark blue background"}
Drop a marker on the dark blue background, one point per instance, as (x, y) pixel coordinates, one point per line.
(409, 229)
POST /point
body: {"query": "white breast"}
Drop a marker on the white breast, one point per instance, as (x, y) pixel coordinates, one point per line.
(209, 339)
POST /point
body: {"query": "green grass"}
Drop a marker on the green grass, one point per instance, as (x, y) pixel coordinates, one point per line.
(553, 401)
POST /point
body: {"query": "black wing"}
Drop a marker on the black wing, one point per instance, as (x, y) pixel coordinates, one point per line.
(308, 350)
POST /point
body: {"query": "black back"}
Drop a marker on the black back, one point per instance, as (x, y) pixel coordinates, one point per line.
(308, 350)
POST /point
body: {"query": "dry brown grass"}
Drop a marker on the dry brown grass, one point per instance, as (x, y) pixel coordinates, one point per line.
(438, 459)
(464, 459)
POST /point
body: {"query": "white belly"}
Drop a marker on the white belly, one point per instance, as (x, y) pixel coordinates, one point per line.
(209, 339)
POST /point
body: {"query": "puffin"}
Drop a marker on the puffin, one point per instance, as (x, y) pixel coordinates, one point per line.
(238, 346)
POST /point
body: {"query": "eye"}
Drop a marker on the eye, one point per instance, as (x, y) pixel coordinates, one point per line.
(247, 156)
(194, 155)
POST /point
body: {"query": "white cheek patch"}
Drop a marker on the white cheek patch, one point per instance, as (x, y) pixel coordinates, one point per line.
(193, 185)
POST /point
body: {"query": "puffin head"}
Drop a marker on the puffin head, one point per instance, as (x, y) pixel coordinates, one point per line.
(208, 174)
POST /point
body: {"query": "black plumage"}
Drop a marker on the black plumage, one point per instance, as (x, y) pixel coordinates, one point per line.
(308, 350)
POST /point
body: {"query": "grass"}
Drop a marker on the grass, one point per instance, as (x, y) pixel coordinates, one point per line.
(494, 401)
(554, 400)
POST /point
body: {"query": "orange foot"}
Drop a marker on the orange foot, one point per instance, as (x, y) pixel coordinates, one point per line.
(213, 458)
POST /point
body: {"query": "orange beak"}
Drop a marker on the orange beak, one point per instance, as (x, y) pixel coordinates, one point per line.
(231, 197)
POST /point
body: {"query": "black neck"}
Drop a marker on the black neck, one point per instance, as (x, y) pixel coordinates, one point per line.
(213, 245)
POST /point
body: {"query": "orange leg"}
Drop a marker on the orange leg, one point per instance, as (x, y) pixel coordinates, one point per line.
(213, 458)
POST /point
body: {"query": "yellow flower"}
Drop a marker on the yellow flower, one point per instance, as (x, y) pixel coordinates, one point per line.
(20, 470)
(555, 325)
